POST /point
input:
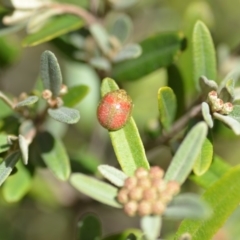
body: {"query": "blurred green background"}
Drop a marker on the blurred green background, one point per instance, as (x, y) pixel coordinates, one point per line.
(52, 208)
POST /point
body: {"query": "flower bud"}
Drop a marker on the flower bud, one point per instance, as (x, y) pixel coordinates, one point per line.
(156, 172)
(130, 182)
(217, 105)
(158, 207)
(46, 94)
(130, 208)
(173, 187)
(212, 96)
(141, 173)
(63, 90)
(159, 184)
(144, 183)
(150, 194)
(227, 108)
(144, 208)
(136, 193)
(122, 196)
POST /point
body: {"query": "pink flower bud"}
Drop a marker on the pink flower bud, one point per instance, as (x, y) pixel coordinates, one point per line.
(130, 208)
(144, 208)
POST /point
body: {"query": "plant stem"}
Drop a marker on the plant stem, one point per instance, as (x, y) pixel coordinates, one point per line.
(75, 10)
(6, 100)
(176, 128)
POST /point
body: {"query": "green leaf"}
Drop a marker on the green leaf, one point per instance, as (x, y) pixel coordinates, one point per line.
(227, 92)
(89, 227)
(7, 165)
(113, 175)
(126, 141)
(176, 83)
(206, 114)
(204, 158)
(157, 51)
(74, 95)
(4, 144)
(120, 26)
(65, 115)
(186, 155)
(17, 185)
(204, 56)
(167, 106)
(151, 226)
(223, 197)
(125, 235)
(207, 85)
(235, 113)
(187, 205)
(58, 26)
(123, 4)
(51, 73)
(130, 51)
(100, 191)
(229, 121)
(23, 145)
(54, 155)
(213, 174)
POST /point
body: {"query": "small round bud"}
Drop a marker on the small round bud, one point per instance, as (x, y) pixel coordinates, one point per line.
(63, 90)
(144, 208)
(55, 102)
(141, 173)
(173, 187)
(46, 94)
(158, 207)
(217, 105)
(136, 193)
(159, 184)
(166, 197)
(130, 208)
(114, 110)
(144, 183)
(122, 196)
(156, 172)
(130, 182)
(23, 96)
(150, 194)
(227, 108)
(59, 102)
(212, 96)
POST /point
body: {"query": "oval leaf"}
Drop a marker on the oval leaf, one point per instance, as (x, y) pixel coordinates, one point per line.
(54, 155)
(204, 158)
(204, 56)
(218, 168)
(206, 114)
(95, 189)
(223, 197)
(229, 121)
(17, 185)
(113, 175)
(65, 115)
(207, 85)
(167, 106)
(151, 226)
(186, 155)
(28, 101)
(126, 141)
(128, 52)
(89, 227)
(23, 145)
(227, 92)
(157, 51)
(56, 27)
(235, 113)
(7, 165)
(74, 95)
(51, 73)
(187, 205)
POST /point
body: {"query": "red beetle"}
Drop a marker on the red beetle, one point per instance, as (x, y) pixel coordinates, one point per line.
(114, 110)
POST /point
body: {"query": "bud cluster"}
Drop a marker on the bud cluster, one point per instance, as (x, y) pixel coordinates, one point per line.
(217, 104)
(147, 192)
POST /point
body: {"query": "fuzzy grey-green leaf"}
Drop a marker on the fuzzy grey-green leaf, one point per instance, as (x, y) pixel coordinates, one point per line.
(229, 121)
(112, 174)
(65, 115)
(7, 165)
(206, 114)
(204, 56)
(100, 191)
(51, 73)
(151, 226)
(28, 101)
(227, 92)
(186, 155)
(207, 85)
(23, 145)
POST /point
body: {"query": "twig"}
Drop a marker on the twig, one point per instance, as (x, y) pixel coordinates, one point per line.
(176, 128)
(6, 100)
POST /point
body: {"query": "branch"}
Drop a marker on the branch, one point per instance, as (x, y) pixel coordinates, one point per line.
(6, 100)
